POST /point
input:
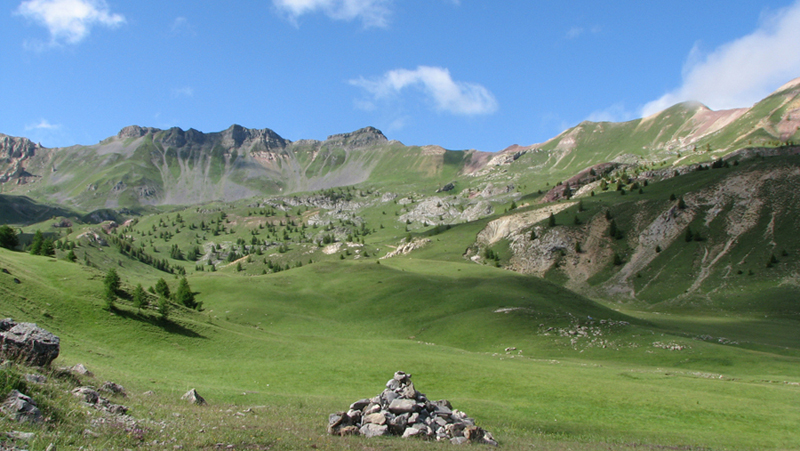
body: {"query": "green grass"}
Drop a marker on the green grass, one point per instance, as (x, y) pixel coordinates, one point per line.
(309, 341)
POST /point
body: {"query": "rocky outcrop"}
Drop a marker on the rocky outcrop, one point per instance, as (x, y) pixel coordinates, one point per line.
(401, 410)
(27, 343)
(406, 248)
(21, 408)
(572, 185)
(503, 227)
(14, 152)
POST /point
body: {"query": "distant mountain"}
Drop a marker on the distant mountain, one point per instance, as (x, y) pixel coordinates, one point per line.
(148, 166)
(143, 166)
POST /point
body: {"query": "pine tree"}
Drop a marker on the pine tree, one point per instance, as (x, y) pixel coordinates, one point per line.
(163, 307)
(48, 249)
(36, 244)
(162, 289)
(552, 220)
(139, 297)
(8, 238)
(184, 294)
(111, 283)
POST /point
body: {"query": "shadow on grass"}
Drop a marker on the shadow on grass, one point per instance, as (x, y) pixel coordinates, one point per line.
(169, 326)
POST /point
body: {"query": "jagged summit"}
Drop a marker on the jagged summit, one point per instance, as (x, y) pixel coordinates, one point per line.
(364, 137)
(233, 136)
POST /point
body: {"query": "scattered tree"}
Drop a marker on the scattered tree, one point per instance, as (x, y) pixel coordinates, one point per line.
(163, 307)
(162, 289)
(139, 297)
(111, 284)
(36, 244)
(8, 238)
(551, 221)
(185, 296)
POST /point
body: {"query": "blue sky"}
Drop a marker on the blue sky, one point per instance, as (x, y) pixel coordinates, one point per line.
(462, 74)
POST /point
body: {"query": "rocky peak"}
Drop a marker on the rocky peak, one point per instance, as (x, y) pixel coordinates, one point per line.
(364, 137)
(134, 131)
(237, 136)
(13, 148)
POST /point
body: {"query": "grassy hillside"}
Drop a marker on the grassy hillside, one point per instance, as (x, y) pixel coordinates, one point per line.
(310, 341)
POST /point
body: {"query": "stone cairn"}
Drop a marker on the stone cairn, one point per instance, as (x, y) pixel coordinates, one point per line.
(403, 411)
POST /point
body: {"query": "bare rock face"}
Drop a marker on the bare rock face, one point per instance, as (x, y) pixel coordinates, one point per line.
(194, 397)
(21, 408)
(27, 343)
(401, 410)
(14, 154)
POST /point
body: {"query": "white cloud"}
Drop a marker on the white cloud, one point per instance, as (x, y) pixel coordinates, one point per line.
(43, 124)
(373, 13)
(436, 83)
(741, 72)
(69, 21)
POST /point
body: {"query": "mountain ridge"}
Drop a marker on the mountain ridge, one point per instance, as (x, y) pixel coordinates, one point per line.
(149, 166)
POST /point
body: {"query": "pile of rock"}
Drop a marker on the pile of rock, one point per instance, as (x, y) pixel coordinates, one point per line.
(92, 397)
(401, 410)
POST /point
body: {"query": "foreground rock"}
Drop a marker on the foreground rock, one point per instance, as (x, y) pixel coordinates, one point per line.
(21, 408)
(194, 397)
(27, 343)
(403, 411)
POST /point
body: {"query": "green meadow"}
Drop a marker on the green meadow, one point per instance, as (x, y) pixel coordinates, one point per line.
(296, 345)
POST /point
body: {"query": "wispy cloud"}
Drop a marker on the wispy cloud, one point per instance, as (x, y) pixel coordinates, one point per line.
(181, 25)
(741, 72)
(69, 21)
(185, 91)
(576, 31)
(43, 124)
(447, 95)
(373, 13)
(614, 113)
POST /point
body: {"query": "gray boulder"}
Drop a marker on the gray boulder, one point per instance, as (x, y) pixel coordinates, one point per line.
(21, 408)
(374, 430)
(194, 397)
(27, 343)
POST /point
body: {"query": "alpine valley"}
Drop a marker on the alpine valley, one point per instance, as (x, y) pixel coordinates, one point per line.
(626, 285)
